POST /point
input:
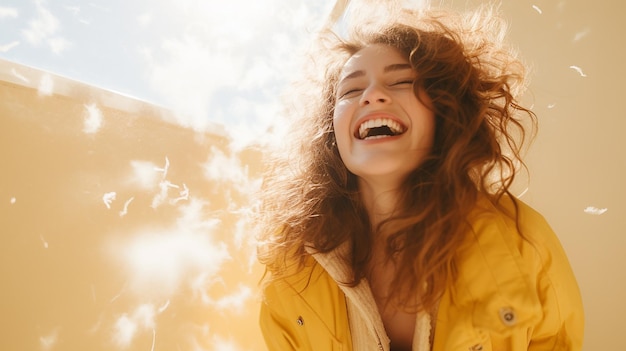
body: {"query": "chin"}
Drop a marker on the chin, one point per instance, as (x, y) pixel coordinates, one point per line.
(390, 174)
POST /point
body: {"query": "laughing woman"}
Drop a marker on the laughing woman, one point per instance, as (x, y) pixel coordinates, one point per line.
(390, 224)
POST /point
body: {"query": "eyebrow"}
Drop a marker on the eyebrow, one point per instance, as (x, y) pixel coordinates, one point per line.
(390, 68)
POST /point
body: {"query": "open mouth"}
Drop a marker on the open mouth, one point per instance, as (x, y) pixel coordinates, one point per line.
(379, 128)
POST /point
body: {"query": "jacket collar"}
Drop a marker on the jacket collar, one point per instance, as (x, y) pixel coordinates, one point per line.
(361, 303)
(360, 296)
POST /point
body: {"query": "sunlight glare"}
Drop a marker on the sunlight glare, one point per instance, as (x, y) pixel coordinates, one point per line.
(161, 260)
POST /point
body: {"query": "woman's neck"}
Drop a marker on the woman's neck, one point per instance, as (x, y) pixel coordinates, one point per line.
(380, 200)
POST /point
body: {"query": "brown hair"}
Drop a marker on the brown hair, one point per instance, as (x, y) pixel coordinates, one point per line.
(311, 199)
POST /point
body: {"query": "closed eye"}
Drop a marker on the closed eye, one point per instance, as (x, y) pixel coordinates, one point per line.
(404, 82)
(349, 92)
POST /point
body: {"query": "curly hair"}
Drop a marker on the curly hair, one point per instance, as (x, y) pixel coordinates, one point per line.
(310, 199)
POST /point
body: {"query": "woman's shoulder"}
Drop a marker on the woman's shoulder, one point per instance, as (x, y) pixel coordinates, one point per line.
(294, 276)
(513, 219)
(512, 231)
(517, 264)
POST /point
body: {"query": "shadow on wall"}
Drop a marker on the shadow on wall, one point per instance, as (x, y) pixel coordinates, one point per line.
(120, 230)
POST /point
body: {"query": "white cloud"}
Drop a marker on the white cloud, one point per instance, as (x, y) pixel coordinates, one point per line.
(192, 71)
(260, 73)
(58, 44)
(255, 123)
(224, 344)
(145, 19)
(417, 3)
(163, 194)
(9, 46)
(144, 315)
(243, 231)
(42, 29)
(144, 174)
(124, 331)
(242, 50)
(46, 85)
(48, 342)
(183, 194)
(159, 261)
(128, 325)
(8, 12)
(223, 169)
(148, 176)
(234, 302)
(75, 10)
(92, 121)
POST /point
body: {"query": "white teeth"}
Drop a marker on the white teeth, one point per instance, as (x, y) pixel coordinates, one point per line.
(395, 127)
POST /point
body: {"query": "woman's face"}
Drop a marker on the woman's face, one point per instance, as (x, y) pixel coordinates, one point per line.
(383, 131)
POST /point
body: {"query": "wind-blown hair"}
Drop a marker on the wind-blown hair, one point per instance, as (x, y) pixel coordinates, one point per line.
(309, 198)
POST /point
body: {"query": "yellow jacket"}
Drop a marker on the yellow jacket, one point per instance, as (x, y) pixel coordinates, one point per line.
(511, 294)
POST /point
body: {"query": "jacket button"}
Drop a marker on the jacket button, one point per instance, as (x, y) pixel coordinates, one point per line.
(477, 347)
(508, 316)
(300, 321)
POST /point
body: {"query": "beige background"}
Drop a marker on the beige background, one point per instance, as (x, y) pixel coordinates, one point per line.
(578, 160)
(122, 229)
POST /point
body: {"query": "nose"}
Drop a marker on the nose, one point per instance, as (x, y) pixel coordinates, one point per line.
(375, 94)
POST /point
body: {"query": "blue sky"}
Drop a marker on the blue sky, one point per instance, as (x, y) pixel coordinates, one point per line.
(210, 61)
(95, 42)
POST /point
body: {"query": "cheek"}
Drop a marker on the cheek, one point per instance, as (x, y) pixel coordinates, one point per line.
(424, 120)
(429, 128)
(341, 126)
(341, 123)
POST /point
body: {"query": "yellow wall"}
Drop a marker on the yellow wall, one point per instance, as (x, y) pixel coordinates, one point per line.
(168, 261)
